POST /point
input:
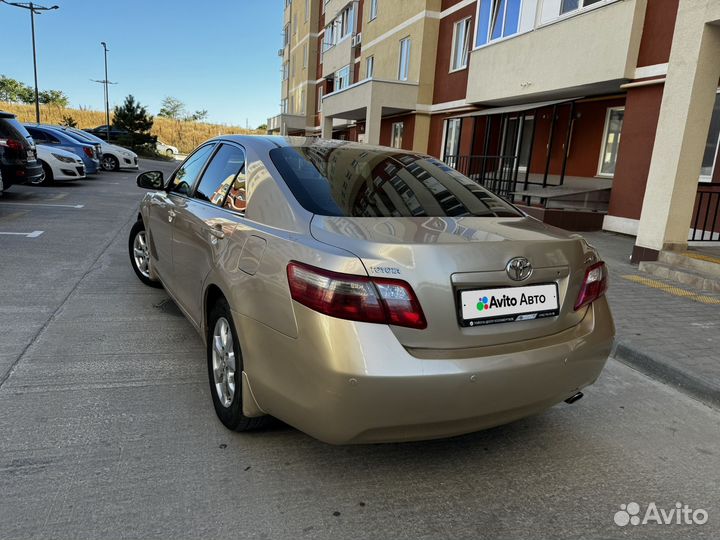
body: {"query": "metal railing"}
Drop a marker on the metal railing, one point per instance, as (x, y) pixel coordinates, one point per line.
(499, 174)
(706, 215)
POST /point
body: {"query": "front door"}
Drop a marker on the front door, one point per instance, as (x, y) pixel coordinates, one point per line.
(164, 210)
(203, 228)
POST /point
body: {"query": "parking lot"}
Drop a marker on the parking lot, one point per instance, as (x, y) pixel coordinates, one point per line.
(107, 428)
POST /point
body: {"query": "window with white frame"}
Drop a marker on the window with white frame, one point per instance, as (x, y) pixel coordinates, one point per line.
(567, 6)
(373, 9)
(460, 45)
(370, 67)
(305, 55)
(340, 28)
(404, 65)
(712, 145)
(284, 106)
(295, 24)
(319, 98)
(286, 35)
(285, 71)
(397, 134)
(302, 101)
(496, 19)
(342, 78)
(452, 140)
(307, 9)
(329, 36)
(611, 141)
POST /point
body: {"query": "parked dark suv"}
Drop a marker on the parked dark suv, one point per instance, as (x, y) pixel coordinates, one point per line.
(18, 157)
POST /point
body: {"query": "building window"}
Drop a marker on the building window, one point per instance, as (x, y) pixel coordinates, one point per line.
(370, 67)
(302, 101)
(452, 141)
(710, 156)
(329, 37)
(342, 79)
(404, 68)
(373, 9)
(497, 19)
(345, 21)
(286, 35)
(285, 71)
(611, 141)
(307, 10)
(284, 106)
(305, 55)
(571, 5)
(319, 98)
(397, 134)
(295, 24)
(460, 45)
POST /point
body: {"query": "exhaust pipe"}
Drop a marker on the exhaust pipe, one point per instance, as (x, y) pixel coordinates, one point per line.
(575, 397)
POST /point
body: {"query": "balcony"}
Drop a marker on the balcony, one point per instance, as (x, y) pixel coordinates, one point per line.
(338, 56)
(590, 52)
(283, 123)
(351, 103)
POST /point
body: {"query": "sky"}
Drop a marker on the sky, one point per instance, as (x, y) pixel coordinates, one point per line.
(219, 55)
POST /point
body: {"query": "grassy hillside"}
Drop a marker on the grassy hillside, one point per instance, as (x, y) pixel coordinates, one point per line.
(184, 135)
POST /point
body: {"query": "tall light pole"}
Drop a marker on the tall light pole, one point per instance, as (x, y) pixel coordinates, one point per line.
(34, 9)
(107, 96)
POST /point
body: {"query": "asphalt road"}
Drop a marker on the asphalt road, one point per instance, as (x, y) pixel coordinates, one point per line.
(107, 428)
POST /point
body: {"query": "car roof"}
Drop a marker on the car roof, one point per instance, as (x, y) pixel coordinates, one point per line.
(269, 142)
(4, 114)
(55, 129)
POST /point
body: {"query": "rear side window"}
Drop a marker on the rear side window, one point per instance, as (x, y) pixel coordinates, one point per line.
(43, 137)
(353, 181)
(10, 128)
(189, 171)
(219, 175)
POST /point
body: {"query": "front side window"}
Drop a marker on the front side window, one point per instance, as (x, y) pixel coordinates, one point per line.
(611, 141)
(404, 68)
(358, 182)
(397, 134)
(571, 5)
(497, 19)
(461, 45)
(184, 178)
(710, 156)
(219, 175)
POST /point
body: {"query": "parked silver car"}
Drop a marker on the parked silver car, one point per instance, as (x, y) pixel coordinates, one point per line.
(368, 294)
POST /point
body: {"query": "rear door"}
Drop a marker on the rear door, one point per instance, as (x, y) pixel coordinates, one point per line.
(203, 228)
(163, 209)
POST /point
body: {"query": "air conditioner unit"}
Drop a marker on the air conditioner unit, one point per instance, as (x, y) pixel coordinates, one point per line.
(357, 39)
(281, 51)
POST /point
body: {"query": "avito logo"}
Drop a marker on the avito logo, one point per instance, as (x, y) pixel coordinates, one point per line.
(505, 301)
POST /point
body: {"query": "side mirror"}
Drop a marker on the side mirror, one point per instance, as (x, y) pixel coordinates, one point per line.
(151, 180)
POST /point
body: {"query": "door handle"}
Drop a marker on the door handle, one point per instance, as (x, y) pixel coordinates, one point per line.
(217, 232)
(171, 215)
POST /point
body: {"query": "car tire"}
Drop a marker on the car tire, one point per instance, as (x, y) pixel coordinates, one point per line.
(47, 178)
(169, 153)
(110, 163)
(225, 358)
(141, 262)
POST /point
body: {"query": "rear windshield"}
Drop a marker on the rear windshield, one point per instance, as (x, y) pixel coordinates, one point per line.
(353, 181)
(10, 128)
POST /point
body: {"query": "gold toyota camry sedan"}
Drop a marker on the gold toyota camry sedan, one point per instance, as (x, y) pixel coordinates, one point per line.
(368, 294)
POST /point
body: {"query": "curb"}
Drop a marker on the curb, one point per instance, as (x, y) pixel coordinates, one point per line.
(668, 374)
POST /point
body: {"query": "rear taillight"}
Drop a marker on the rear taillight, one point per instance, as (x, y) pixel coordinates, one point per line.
(594, 285)
(89, 152)
(12, 144)
(356, 298)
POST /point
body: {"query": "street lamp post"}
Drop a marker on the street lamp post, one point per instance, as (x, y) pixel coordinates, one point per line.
(107, 95)
(34, 9)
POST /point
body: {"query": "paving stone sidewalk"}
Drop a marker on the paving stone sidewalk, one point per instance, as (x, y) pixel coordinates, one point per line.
(664, 329)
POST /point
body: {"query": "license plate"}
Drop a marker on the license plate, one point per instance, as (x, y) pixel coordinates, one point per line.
(508, 304)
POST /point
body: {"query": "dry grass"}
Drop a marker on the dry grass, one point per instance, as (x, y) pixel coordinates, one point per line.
(184, 135)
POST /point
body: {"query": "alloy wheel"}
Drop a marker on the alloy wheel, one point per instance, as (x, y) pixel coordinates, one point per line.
(141, 254)
(223, 362)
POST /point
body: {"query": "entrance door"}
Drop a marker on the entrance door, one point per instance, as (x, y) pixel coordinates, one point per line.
(517, 141)
(709, 170)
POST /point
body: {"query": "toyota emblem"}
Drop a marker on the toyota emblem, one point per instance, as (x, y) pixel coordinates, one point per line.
(519, 269)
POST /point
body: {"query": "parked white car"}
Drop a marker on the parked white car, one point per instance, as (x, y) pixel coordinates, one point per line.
(167, 149)
(113, 157)
(59, 165)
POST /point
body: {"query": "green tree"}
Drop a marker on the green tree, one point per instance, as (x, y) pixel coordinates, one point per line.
(197, 116)
(14, 91)
(68, 121)
(172, 108)
(53, 97)
(262, 127)
(134, 118)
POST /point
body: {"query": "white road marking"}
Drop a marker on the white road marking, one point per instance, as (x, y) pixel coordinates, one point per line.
(43, 204)
(33, 234)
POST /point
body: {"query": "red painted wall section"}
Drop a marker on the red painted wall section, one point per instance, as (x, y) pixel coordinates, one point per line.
(408, 130)
(636, 146)
(658, 31)
(450, 86)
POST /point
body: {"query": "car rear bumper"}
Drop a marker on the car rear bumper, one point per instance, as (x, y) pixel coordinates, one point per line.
(21, 173)
(345, 382)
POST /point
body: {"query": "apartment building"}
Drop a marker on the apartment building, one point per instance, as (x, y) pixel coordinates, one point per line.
(589, 113)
